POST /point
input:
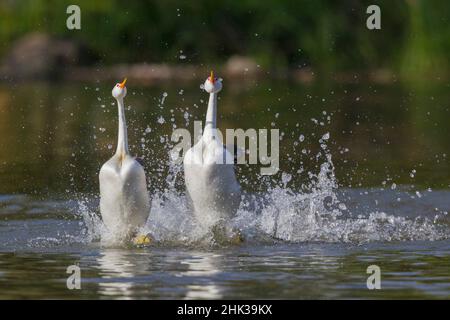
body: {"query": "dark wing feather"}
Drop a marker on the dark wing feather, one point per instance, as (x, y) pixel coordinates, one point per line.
(140, 161)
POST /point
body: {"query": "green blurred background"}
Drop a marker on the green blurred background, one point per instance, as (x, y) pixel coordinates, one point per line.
(326, 35)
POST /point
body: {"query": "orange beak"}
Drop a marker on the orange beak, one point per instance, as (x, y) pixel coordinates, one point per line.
(123, 83)
(211, 78)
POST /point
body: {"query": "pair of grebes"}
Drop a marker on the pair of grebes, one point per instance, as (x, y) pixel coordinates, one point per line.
(211, 184)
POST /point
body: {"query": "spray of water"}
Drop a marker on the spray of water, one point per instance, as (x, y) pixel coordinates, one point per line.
(279, 213)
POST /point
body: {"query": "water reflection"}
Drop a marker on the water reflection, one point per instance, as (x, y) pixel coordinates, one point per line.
(118, 272)
(326, 271)
(127, 273)
(204, 267)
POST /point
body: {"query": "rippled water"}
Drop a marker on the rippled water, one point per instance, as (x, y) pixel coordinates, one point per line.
(356, 188)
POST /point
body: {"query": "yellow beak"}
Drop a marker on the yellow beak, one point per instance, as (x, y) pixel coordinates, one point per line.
(211, 77)
(123, 83)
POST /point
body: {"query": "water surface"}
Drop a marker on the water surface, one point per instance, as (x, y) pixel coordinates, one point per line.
(364, 179)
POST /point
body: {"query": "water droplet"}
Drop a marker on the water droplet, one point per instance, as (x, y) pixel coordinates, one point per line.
(161, 120)
(285, 178)
(164, 96)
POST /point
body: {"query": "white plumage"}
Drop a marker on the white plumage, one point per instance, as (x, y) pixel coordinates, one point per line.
(124, 200)
(209, 169)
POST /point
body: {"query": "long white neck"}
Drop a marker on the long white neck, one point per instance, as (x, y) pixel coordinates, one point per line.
(211, 116)
(122, 141)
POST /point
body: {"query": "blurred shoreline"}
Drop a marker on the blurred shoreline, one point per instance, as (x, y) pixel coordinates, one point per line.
(154, 73)
(39, 56)
(148, 74)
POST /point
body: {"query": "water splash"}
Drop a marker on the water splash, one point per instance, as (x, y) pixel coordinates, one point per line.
(282, 212)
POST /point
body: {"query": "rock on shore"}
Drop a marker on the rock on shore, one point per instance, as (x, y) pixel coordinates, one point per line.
(41, 56)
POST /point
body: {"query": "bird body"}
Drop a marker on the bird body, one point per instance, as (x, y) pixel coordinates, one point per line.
(209, 170)
(212, 188)
(124, 200)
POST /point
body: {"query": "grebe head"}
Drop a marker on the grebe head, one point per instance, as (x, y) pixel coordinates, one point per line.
(119, 90)
(213, 85)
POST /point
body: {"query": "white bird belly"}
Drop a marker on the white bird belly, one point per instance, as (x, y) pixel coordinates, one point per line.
(124, 200)
(212, 187)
